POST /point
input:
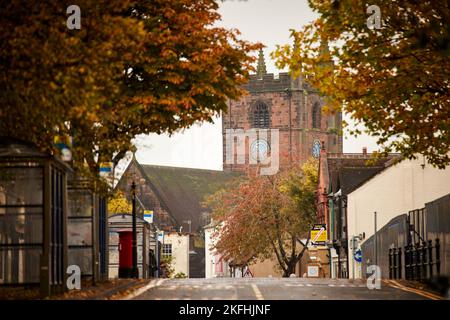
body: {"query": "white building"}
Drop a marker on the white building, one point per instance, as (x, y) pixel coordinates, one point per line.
(402, 187)
(215, 266)
(176, 245)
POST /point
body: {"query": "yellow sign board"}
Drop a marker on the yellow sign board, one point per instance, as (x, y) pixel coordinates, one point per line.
(319, 234)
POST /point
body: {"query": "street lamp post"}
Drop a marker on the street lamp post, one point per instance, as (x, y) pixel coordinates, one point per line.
(135, 273)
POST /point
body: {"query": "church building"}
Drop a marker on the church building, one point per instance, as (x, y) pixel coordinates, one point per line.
(289, 105)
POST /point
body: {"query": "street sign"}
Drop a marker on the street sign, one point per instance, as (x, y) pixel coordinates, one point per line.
(247, 273)
(161, 236)
(358, 255)
(319, 235)
(148, 216)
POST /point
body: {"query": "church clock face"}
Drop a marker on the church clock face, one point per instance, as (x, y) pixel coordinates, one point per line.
(316, 149)
(259, 150)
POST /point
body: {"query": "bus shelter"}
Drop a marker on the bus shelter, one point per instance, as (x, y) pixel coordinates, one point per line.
(87, 229)
(33, 215)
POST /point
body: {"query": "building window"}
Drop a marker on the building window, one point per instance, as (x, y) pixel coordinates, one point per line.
(167, 250)
(260, 115)
(316, 116)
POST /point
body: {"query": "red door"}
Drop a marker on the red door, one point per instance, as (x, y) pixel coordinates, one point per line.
(125, 250)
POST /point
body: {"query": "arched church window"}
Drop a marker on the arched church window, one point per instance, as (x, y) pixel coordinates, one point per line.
(260, 115)
(316, 116)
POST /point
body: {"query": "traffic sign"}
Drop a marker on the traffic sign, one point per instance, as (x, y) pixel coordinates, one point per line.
(319, 235)
(358, 255)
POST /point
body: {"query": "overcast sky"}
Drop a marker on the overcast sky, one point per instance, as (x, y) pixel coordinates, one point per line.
(265, 21)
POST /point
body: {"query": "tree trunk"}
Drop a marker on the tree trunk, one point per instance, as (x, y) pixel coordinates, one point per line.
(290, 268)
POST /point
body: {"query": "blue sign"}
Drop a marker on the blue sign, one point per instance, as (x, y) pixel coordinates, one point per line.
(358, 255)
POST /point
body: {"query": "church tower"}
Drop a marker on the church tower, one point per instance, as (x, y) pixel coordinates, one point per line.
(286, 105)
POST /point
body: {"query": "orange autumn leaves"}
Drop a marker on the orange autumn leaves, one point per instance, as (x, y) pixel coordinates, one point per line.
(394, 80)
(134, 67)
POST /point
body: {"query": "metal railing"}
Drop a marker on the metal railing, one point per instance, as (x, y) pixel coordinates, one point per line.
(420, 263)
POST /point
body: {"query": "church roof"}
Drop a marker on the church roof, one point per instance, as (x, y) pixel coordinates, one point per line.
(182, 190)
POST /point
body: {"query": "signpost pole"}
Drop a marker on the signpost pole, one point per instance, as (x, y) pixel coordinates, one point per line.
(157, 253)
(135, 273)
(353, 260)
(375, 240)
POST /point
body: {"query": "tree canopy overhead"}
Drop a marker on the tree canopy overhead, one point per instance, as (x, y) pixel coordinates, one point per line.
(395, 80)
(134, 67)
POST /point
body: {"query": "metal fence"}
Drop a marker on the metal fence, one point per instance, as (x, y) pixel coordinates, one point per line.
(438, 227)
(393, 234)
(414, 246)
(421, 261)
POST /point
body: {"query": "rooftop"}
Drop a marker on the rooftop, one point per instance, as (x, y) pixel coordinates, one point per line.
(184, 189)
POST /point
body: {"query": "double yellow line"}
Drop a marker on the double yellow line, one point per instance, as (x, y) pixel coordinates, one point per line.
(422, 293)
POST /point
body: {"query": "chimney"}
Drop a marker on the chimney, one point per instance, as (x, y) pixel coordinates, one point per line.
(364, 151)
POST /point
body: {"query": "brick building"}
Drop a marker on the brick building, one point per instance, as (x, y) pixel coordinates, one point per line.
(339, 175)
(289, 105)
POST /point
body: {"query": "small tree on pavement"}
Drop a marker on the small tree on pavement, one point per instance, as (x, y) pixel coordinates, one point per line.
(264, 217)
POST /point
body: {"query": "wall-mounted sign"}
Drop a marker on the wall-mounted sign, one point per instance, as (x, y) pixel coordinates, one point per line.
(105, 169)
(148, 216)
(64, 145)
(313, 271)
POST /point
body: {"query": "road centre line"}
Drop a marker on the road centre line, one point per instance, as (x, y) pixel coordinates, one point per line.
(257, 292)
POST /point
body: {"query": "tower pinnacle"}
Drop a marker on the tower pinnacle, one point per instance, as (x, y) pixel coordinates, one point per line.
(261, 68)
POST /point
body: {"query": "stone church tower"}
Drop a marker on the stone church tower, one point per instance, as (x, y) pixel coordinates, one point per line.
(289, 105)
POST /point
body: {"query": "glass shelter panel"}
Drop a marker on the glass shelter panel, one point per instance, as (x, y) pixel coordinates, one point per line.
(21, 223)
(80, 229)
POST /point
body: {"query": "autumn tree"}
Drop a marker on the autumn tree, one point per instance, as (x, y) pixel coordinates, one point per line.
(262, 217)
(118, 203)
(134, 67)
(394, 80)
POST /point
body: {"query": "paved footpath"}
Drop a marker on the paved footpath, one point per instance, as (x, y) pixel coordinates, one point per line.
(273, 289)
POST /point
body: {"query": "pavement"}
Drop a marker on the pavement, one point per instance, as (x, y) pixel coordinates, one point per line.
(275, 289)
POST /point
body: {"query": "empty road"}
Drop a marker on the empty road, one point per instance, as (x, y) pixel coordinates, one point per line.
(273, 289)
